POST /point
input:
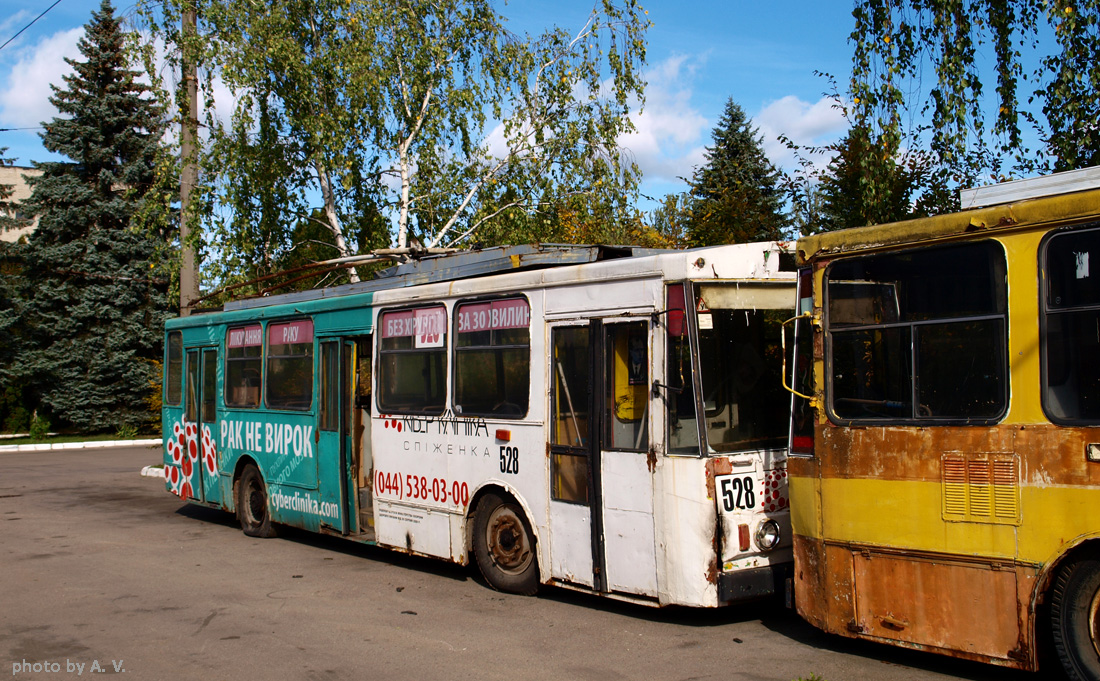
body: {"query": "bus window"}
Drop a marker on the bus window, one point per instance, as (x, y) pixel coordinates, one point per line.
(412, 361)
(191, 409)
(243, 366)
(330, 385)
(209, 386)
(627, 386)
(740, 364)
(290, 365)
(918, 335)
(569, 407)
(173, 389)
(492, 358)
(801, 374)
(1071, 339)
(683, 427)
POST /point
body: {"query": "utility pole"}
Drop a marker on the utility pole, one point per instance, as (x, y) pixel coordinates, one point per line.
(189, 171)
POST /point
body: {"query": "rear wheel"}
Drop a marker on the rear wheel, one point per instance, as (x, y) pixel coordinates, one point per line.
(252, 508)
(504, 546)
(1075, 619)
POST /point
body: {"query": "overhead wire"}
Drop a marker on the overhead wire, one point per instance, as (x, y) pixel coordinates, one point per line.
(8, 41)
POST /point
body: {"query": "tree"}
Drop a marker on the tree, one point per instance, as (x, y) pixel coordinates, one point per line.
(736, 197)
(897, 42)
(429, 114)
(13, 416)
(93, 300)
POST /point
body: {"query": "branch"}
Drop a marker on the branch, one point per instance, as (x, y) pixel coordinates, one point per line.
(466, 200)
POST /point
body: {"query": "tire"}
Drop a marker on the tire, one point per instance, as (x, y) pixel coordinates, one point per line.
(252, 506)
(1075, 619)
(504, 546)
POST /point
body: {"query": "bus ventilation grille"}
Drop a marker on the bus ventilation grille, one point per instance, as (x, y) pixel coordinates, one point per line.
(981, 488)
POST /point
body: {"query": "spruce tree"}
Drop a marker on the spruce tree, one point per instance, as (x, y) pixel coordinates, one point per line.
(94, 302)
(736, 196)
(13, 416)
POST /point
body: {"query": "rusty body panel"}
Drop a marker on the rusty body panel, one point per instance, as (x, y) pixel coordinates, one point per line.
(974, 579)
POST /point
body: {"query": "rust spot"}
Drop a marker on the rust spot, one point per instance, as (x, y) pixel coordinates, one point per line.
(709, 469)
(716, 543)
(651, 459)
(712, 570)
(722, 467)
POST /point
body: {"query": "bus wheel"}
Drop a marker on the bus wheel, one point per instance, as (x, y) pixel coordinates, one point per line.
(252, 504)
(1075, 619)
(504, 546)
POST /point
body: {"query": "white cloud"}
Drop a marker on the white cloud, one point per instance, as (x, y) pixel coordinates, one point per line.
(24, 99)
(801, 122)
(668, 140)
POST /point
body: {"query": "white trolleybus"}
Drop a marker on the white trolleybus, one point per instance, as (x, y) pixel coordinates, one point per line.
(605, 419)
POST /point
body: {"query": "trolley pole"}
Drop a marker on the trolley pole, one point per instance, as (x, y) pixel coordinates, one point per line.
(189, 171)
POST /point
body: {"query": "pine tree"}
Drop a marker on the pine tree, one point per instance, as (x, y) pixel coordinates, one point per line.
(736, 196)
(94, 301)
(908, 184)
(13, 416)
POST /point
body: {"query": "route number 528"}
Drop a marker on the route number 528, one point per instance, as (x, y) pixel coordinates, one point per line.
(737, 493)
(509, 460)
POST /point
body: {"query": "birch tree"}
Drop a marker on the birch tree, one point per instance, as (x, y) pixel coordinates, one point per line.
(990, 88)
(429, 118)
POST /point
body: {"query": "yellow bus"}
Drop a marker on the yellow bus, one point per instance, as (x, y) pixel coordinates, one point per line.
(945, 435)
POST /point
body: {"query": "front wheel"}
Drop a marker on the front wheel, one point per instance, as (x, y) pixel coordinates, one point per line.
(504, 546)
(252, 508)
(1075, 619)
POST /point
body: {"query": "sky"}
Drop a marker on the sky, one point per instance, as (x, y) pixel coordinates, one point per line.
(762, 55)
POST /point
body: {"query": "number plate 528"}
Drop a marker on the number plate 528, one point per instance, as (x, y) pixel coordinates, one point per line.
(737, 492)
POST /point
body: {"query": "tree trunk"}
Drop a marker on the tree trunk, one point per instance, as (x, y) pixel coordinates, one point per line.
(334, 219)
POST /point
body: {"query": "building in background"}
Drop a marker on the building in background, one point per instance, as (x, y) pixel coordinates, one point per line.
(16, 177)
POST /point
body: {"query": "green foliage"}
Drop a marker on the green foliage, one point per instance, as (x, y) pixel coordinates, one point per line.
(869, 180)
(425, 117)
(13, 415)
(40, 427)
(90, 294)
(967, 47)
(670, 220)
(736, 197)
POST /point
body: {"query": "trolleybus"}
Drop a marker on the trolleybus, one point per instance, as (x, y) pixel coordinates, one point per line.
(945, 450)
(610, 420)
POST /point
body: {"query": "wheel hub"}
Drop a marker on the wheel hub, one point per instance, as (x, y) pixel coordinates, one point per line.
(508, 542)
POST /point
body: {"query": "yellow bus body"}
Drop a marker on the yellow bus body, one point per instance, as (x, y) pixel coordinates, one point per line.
(946, 537)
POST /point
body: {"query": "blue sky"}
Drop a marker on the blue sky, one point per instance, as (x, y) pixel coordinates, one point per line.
(763, 55)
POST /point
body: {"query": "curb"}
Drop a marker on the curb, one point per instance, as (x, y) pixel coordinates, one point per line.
(153, 472)
(61, 446)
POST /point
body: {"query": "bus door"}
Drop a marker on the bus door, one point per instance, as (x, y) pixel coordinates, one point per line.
(199, 459)
(601, 490)
(337, 444)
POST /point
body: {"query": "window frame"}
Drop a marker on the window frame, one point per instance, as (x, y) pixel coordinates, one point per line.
(913, 327)
(642, 390)
(268, 357)
(262, 359)
(168, 382)
(381, 368)
(457, 351)
(1045, 314)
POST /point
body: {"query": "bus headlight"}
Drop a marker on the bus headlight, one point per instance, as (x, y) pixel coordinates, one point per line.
(767, 535)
